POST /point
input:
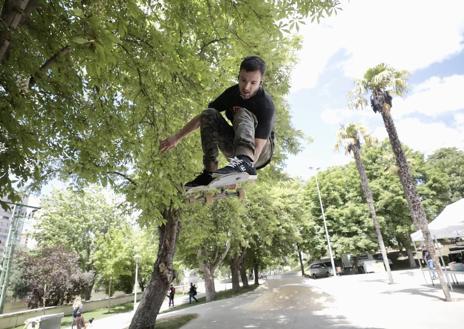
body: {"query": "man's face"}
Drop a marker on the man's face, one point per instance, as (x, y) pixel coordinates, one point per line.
(249, 83)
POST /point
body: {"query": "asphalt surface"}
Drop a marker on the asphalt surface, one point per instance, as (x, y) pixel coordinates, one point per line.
(346, 302)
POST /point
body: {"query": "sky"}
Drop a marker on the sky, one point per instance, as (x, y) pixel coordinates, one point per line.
(426, 38)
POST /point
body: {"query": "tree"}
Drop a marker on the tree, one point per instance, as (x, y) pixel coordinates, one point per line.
(77, 219)
(114, 259)
(101, 84)
(274, 214)
(392, 207)
(351, 137)
(51, 276)
(445, 175)
(348, 222)
(381, 82)
(208, 235)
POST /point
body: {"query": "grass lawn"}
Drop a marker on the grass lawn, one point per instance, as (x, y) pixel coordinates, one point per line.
(166, 323)
(175, 322)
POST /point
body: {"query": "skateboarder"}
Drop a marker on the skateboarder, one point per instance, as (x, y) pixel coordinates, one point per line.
(247, 139)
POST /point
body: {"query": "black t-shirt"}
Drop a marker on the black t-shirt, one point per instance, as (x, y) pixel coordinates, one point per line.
(260, 105)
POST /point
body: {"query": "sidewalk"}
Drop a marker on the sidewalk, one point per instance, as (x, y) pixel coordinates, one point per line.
(367, 300)
(123, 320)
(346, 302)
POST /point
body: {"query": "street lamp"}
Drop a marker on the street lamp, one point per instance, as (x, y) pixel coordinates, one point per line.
(325, 224)
(137, 258)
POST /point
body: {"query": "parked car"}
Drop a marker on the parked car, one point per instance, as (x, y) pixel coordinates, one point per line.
(318, 270)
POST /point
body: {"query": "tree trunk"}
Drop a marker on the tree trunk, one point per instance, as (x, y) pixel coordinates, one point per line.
(256, 273)
(163, 274)
(88, 291)
(208, 266)
(13, 14)
(414, 202)
(234, 270)
(208, 275)
(301, 260)
(243, 269)
(370, 203)
(244, 276)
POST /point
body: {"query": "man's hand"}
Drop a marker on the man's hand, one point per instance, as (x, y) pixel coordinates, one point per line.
(171, 142)
(168, 143)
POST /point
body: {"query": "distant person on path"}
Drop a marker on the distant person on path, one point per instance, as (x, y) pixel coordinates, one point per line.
(77, 310)
(192, 293)
(172, 292)
(428, 259)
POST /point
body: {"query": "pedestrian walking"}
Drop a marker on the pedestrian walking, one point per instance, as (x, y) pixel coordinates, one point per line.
(172, 292)
(77, 310)
(192, 293)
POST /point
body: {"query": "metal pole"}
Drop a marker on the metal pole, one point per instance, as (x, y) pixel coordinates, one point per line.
(440, 257)
(325, 228)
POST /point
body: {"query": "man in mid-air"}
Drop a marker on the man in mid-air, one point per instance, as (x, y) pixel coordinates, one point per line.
(248, 140)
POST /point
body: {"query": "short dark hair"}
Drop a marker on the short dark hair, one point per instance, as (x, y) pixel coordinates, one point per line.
(253, 63)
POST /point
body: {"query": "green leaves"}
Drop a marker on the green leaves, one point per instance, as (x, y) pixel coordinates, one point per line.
(379, 78)
(81, 40)
(133, 74)
(76, 220)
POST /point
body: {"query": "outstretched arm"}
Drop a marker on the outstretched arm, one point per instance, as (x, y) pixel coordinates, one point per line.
(171, 141)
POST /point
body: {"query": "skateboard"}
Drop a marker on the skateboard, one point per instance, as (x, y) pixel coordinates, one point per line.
(220, 188)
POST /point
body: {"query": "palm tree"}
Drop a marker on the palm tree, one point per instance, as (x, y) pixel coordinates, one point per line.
(380, 82)
(350, 138)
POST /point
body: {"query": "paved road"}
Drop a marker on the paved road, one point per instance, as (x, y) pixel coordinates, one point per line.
(347, 302)
(283, 302)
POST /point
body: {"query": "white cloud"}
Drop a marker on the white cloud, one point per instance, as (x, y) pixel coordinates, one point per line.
(344, 116)
(405, 34)
(459, 119)
(425, 137)
(318, 47)
(298, 166)
(433, 97)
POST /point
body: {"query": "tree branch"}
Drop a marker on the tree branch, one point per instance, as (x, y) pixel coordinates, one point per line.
(45, 66)
(122, 175)
(12, 13)
(202, 49)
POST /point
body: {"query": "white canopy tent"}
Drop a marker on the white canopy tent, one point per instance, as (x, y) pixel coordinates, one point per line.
(448, 224)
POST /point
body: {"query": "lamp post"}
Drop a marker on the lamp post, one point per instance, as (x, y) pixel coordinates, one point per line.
(137, 258)
(334, 271)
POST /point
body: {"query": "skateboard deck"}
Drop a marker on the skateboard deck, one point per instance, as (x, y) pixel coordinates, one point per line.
(220, 188)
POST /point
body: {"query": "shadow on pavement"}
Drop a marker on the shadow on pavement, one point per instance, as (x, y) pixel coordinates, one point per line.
(280, 303)
(427, 292)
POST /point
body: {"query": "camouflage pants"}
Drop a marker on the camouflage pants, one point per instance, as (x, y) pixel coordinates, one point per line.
(238, 139)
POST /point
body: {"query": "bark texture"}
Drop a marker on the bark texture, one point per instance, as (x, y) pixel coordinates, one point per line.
(414, 202)
(208, 266)
(13, 15)
(356, 149)
(162, 276)
(234, 270)
(256, 273)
